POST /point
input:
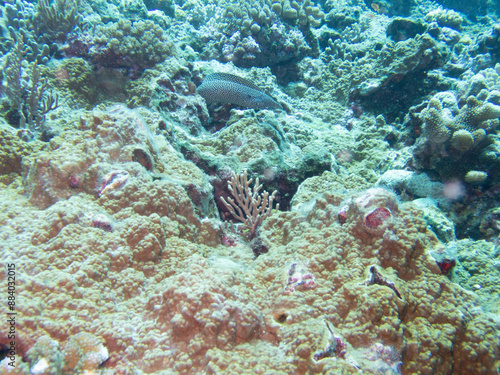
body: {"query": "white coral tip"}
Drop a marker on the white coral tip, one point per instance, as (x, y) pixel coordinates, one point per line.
(40, 366)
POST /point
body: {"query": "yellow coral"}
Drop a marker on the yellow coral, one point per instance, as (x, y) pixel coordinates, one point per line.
(475, 112)
(466, 129)
(435, 128)
(462, 140)
(475, 177)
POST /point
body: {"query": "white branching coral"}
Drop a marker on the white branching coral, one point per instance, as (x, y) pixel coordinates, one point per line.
(248, 206)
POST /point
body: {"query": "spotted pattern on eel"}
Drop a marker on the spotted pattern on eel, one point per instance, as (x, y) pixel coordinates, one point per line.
(228, 88)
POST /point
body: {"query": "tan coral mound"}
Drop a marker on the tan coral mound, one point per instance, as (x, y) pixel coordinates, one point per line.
(132, 273)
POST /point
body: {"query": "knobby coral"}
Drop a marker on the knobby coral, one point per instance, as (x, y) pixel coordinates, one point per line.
(248, 206)
(466, 129)
(131, 44)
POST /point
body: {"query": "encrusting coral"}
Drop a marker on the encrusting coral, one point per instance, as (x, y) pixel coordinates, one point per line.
(327, 296)
(363, 313)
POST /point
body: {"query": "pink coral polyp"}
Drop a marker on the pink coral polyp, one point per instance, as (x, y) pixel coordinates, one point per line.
(377, 219)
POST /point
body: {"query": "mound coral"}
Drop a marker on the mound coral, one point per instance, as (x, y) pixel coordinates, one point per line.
(264, 33)
(83, 353)
(131, 44)
(168, 296)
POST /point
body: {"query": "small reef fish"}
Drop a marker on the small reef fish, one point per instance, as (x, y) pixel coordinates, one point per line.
(228, 88)
(380, 9)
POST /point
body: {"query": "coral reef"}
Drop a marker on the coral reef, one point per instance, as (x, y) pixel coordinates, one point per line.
(214, 307)
(76, 82)
(266, 33)
(460, 132)
(132, 133)
(28, 102)
(13, 151)
(54, 20)
(19, 24)
(131, 44)
(83, 353)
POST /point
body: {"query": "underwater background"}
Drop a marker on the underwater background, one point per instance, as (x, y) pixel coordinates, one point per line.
(250, 187)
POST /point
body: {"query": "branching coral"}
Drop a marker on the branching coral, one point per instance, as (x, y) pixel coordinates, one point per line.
(54, 21)
(248, 206)
(29, 113)
(436, 123)
(18, 19)
(466, 129)
(40, 26)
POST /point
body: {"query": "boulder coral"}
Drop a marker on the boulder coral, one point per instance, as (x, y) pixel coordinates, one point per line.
(161, 293)
(365, 313)
(139, 44)
(265, 33)
(105, 145)
(13, 149)
(113, 215)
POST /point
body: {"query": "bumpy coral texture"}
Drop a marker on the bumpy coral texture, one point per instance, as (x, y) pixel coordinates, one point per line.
(352, 66)
(75, 78)
(97, 148)
(131, 44)
(12, 150)
(159, 291)
(263, 33)
(466, 129)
